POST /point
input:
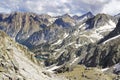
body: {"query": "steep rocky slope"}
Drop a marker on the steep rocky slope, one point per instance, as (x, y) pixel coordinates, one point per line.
(65, 41)
(65, 50)
(31, 29)
(82, 18)
(18, 63)
(113, 33)
(105, 54)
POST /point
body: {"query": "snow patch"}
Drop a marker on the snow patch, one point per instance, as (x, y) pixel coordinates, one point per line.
(76, 32)
(96, 35)
(51, 20)
(111, 39)
(105, 69)
(82, 25)
(57, 50)
(58, 42)
(74, 60)
(70, 43)
(117, 66)
(77, 45)
(52, 69)
(65, 35)
(93, 36)
(107, 27)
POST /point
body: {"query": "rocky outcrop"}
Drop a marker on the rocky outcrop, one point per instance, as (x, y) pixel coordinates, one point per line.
(113, 33)
(106, 53)
(103, 55)
(100, 20)
(82, 18)
(18, 63)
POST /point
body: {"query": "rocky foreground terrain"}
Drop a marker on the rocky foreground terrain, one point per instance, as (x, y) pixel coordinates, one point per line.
(18, 63)
(64, 45)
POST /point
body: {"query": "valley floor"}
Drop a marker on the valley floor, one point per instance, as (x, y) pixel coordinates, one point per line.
(82, 73)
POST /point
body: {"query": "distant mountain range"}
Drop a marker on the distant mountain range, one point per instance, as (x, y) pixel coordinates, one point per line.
(66, 41)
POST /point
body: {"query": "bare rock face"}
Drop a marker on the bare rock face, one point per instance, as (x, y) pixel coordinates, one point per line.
(117, 69)
(31, 29)
(106, 53)
(21, 25)
(18, 63)
(100, 20)
(113, 33)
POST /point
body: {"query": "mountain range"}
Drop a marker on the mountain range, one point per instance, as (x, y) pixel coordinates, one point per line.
(63, 42)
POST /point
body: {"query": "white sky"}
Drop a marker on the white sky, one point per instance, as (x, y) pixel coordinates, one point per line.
(57, 7)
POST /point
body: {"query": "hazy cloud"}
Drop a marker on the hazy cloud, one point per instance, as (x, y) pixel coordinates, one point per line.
(56, 7)
(112, 8)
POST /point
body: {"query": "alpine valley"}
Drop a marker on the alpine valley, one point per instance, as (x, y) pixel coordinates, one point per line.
(44, 47)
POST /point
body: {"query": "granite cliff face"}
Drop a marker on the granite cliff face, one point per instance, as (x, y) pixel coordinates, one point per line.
(18, 63)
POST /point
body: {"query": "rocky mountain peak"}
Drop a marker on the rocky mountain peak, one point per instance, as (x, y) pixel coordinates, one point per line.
(117, 16)
(66, 15)
(113, 33)
(100, 20)
(84, 16)
(88, 14)
(65, 21)
(104, 17)
(45, 16)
